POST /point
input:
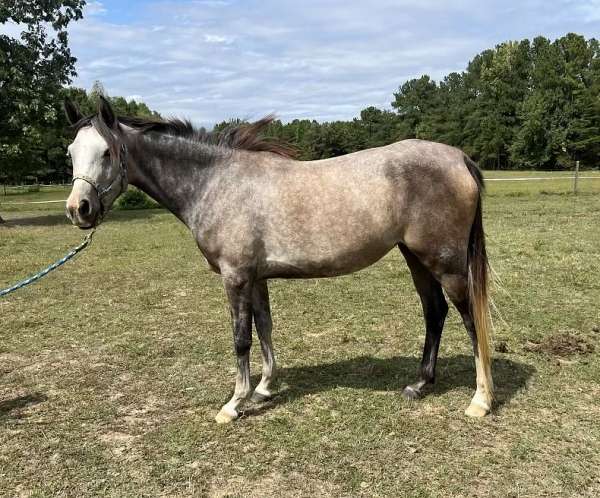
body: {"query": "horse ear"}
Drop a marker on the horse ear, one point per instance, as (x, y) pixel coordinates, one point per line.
(72, 112)
(105, 111)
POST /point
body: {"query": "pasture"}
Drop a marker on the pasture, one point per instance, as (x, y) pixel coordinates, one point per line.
(113, 367)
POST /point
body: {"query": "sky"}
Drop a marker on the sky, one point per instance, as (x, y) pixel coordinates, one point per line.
(211, 60)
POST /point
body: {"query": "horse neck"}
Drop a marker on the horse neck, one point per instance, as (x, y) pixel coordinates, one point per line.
(172, 172)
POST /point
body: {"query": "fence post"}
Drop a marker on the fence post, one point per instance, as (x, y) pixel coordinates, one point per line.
(576, 177)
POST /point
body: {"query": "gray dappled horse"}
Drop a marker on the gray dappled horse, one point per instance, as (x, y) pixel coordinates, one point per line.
(258, 214)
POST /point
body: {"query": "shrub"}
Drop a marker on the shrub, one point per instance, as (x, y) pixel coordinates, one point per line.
(135, 199)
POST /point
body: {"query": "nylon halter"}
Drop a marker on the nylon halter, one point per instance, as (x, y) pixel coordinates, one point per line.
(120, 177)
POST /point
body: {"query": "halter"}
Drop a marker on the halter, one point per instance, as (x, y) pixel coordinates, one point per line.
(120, 177)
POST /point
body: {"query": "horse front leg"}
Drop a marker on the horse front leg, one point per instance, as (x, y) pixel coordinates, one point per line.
(262, 320)
(239, 293)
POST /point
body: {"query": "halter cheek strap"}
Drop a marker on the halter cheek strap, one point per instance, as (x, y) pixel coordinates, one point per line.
(120, 177)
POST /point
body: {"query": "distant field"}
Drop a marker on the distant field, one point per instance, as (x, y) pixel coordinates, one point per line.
(113, 367)
(509, 183)
(535, 174)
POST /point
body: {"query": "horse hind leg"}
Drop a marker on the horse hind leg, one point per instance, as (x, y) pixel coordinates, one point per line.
(470, 299)
(261, 311)
(435, 310)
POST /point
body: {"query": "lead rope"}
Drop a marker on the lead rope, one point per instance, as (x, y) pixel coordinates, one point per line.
(53, 266)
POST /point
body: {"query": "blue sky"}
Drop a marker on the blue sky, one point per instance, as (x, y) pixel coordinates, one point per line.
(211, 60)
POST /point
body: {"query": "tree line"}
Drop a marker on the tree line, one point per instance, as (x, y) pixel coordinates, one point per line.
(521, 105)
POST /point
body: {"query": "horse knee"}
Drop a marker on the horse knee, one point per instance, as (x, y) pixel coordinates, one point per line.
(242, 345)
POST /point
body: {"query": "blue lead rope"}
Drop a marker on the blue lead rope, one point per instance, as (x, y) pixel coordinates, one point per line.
(53, 266)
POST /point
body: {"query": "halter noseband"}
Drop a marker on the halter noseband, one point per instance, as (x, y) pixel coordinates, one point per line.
(121, 177)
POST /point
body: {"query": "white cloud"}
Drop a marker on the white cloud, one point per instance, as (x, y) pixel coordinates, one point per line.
(589, 8)
(94, 8)
(217, 39)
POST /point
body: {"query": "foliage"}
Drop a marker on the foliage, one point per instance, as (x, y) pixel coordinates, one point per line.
(33, 69)
(521, 105)
(135, 199)
(51, 164)
(529, 105)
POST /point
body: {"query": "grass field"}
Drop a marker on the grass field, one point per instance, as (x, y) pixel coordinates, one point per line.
(113, 367)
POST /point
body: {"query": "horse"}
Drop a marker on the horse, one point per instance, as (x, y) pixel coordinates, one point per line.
(257, 214)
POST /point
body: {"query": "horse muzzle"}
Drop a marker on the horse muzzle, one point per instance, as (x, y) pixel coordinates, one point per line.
(83, 207)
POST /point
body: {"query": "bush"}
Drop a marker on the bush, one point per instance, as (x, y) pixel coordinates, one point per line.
(135, 199)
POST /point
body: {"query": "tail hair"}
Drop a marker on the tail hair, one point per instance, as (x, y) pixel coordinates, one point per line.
(478, 280)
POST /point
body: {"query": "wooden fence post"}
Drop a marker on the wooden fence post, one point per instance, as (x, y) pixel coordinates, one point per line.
(576, 177)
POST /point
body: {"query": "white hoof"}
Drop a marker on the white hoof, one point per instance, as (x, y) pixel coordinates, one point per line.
(226, 416)
(477, 410)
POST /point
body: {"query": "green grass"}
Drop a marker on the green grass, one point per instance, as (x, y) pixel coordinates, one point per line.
(537, 174)
(113, 367)
(16, 200)
(560, 183)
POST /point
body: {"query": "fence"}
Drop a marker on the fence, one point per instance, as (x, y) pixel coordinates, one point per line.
(557, 177)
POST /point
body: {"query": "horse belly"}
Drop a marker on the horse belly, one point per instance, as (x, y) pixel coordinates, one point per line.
(331, 247)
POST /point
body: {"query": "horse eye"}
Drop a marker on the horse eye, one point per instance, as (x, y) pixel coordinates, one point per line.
(106, 153)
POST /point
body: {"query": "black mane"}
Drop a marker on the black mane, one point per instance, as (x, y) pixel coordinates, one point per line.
(245, 136)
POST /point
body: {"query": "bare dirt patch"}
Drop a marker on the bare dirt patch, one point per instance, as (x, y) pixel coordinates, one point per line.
(501, 347)
(561, 344)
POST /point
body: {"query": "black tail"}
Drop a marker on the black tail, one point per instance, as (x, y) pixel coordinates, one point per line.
(475, 173)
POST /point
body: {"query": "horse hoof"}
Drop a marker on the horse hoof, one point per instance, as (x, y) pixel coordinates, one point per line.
(410, 393)
(225, 417)
(476, 410)
(260, 397)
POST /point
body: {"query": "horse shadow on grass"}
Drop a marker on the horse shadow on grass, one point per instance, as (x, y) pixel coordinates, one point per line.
(45, 220)
(57, 219)
(11, 408)
(392, 374)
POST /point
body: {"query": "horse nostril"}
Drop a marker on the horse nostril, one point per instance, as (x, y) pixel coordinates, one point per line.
(85, 208)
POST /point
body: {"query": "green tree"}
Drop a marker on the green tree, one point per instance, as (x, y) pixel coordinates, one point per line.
(560, 115)
(502, 86)
(446, 120)
(33, 69)
(97, 91)
(378, 127)
(413, 101)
